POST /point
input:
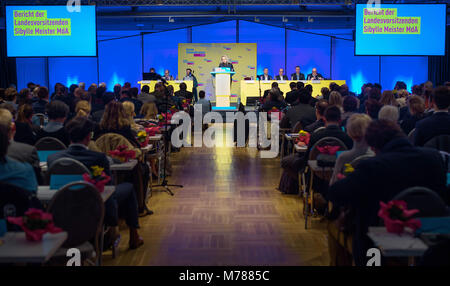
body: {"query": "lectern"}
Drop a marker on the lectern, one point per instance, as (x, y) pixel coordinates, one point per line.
(223, 86)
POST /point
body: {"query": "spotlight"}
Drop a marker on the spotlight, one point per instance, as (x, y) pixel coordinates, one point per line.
(256, 19)
(285, 20)
(310, 20)
(171, 20)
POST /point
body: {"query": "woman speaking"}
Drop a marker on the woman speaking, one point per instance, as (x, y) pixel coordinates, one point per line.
(224, 63)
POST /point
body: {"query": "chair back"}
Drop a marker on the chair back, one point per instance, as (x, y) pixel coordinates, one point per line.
(441, 143)
(64, 171)
(110, 141)
(318, 129)
(14, 202)
(411, 135)
(331, 141)
(425, 200)
(39, 118)
(297, 127)
(359, 159)
(49, 144)
(78, 209)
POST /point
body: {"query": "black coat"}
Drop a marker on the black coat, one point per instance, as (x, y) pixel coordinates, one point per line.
(300, 77)
(397, 167)
(277, 77)
(435, 125)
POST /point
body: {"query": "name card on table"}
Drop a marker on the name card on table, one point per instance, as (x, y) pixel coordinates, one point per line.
(315, 81)
(43, 155)
(59, 181)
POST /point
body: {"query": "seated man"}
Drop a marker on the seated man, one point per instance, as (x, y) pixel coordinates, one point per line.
(292, 164)
(57, 114)
(297, 75)
(302, 112)
(438, 123)
(292, 96)
(265, 75)
(14, 172)
(205, 103)
(314, 75)
(19, 151)
(321, 106)
(274, 85)
(145, 95)
(281, 75)
(183, 92)
(123, 199)
(397, 166)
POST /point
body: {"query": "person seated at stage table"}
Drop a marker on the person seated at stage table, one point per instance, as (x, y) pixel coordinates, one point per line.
(57, 112)
(292, 96)
(26, 131)
(14, 172)
(123, 200)
(42, 100)
(167, 75)
(183, 92)
(320, 108)
(225, 63)
(281, 75)
(297, 75)
(397, 166)
(19, 151)
(145, 95)
(114, 120)
(275, 99)
(265, 75)
(314, 75)
(439, 122)
(302, 112)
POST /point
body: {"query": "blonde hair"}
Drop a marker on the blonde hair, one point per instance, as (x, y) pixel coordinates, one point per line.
(357, 125)
(128, 107)
(335, 99)
(114, 117)
(149, 110)
(5, 118)
(83, 108)
(388, 98)
(402, 93)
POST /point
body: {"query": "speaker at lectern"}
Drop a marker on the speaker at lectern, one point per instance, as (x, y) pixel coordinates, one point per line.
(223, 85)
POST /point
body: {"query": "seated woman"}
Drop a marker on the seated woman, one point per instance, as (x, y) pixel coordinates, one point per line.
(149, 111)
(57, 112)
(416, 107)
(14, 172)
(356, 129)
(25, 130)
(128, 107)
(114, 120)
(83, 108)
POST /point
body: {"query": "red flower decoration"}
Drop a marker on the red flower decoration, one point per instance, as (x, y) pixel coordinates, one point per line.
(99, 184)
(330, 150)
(274, 109)
(152, 131)
(122, 153)
(396, 216)
(35, 223)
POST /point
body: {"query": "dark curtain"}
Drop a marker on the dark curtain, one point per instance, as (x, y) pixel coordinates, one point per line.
(439, 66)
(8, 73)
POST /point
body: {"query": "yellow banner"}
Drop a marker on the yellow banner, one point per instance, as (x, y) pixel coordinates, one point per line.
(386, 21)
(36, 23)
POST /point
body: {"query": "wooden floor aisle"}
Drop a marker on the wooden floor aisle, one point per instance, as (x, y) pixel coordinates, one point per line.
(228, 213)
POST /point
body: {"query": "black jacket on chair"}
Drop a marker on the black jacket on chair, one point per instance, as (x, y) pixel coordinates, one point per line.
(397, 167)
(435, 125)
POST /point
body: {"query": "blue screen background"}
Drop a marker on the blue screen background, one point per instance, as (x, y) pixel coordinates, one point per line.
(430, 41)
(81, 42)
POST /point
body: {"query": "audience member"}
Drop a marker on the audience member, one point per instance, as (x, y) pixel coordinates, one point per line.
(292, 96)
(389, 113)
(302, 113)
(57, 112)
(42, 100)
(26, 132)
(321, 106)
(416, 106)
(397, 166)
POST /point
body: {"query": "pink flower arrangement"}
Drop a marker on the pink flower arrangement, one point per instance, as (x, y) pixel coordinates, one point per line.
(303, 138)
(122, 153)
(330, 150)
(396, 216)
(98, 178)
(274, 109)
(35, 223)
(152, 131)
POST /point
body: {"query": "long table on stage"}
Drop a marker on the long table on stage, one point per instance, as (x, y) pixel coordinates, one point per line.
(250, 88)
(174, 83)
